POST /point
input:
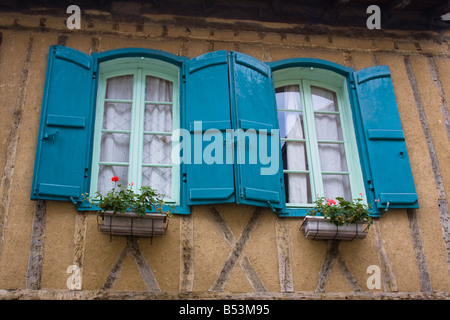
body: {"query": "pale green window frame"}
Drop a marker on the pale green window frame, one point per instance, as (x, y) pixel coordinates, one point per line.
(305, 78)
(140, 68)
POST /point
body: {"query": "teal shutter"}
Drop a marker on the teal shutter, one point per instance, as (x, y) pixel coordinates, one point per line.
(390, 179)
(61, 170)
(208, 176)
(259, 168)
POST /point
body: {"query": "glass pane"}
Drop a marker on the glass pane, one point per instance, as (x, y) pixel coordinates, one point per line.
(336, 186)
(298, 188)
(159, 179)
(291, 125)
(288, 97)
(294, 156)
(157, 149)
(157, 89)
(115, 147)
(158, 118)
(119, 87)
(328, 127)
(117, 116)
(323, 99)
(105, 174)
(332, 157)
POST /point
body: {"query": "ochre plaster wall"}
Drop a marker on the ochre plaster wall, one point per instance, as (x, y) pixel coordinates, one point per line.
(39, 240)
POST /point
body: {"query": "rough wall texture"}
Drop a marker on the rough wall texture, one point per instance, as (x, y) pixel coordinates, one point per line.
(223, 251)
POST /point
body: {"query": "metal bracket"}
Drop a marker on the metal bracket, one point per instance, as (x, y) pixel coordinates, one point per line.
(50, 135)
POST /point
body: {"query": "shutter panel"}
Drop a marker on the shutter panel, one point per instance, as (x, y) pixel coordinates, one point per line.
(259, 168)
(392, 181)
(209, 176)
(64, 138)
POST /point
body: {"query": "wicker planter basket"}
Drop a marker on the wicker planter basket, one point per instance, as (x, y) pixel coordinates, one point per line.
(320, 228)
(130, 224)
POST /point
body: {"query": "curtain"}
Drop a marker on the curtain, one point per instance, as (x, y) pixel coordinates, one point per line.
(157, 148)
(332, 155)
(294, 153)
(156, 135)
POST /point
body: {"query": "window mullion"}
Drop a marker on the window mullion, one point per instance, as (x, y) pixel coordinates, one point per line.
(136, 130)
(312, 144)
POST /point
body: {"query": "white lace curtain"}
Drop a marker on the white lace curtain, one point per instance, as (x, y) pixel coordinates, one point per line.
(155, 110)
(331, 154)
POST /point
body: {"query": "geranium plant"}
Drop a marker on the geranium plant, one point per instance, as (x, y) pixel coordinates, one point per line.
(341, 211)
(121, 199)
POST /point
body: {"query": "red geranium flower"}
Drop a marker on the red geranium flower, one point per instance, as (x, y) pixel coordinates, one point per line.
(331, 202)
(115, 178)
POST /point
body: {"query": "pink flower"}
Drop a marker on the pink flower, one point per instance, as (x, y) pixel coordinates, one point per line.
(330, 202)
(131, 184)
(115, 178)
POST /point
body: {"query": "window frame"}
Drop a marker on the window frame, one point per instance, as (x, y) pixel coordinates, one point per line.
(170, 60)
(307, 77)
(139, 68)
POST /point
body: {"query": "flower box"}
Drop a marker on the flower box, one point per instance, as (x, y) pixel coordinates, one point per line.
(131, 224)
(320, 228)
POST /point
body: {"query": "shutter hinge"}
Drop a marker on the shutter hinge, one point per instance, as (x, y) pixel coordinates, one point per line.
(94, 75)
(269, 204)
(73, 200)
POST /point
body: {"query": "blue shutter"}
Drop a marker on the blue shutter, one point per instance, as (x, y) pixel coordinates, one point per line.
(208, 107)
(259, 180)
(390, 179)
(64, 137)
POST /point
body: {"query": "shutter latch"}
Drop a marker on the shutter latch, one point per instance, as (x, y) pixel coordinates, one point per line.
(73, 200)
(50, 135)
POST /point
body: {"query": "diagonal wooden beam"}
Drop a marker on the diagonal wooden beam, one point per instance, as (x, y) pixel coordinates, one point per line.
(237, 254)
(144, 267)
(331, 256)
(132, 247)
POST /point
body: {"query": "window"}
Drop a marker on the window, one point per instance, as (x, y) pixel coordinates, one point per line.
(137, 111)
(319, 151)
(317, 128)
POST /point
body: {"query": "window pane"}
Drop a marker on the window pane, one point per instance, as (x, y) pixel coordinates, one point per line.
(157, 149)
(117, 116)
(336, 186)
(159, 179)
(288, 97)
(157, 89)
(332, 157)
(323, 99)
(105, 174)
(291, 125)
(115, 147)
(119, 87)
(294, 156)
(158, 118)
(328, 127)
(298, 189)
